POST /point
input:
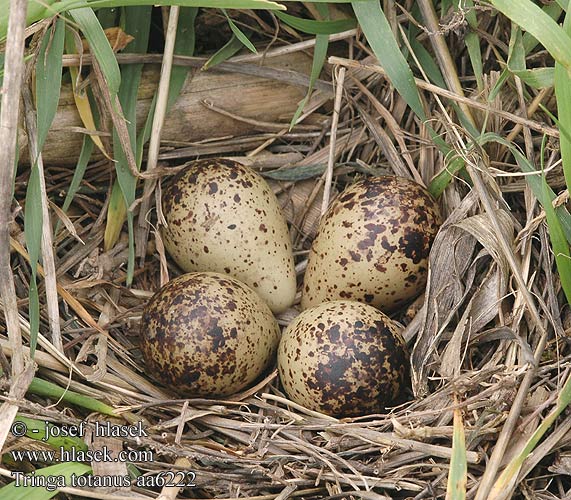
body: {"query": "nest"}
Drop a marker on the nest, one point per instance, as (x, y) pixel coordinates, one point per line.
(489, 337)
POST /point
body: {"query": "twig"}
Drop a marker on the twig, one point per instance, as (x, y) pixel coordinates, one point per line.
(158, 121)
(442, 53)
(14, 70)
(22, 369)
(47, 239)
(333, 140)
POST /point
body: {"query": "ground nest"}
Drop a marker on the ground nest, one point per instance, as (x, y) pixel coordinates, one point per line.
(488, 338)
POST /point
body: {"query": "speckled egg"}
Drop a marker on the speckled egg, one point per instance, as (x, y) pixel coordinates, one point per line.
(373, 245)
(207, 334)
(223, 217)
(344, 359)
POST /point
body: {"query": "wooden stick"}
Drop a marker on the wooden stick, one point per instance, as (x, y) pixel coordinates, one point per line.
(14, 72)
(156, 133)
(333, 140)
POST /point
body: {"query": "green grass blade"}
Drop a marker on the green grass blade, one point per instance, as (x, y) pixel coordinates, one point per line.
(472, 41)
(63, 470)
(184, 46)
(381, 39)
(48, 78)
(425, 59)
(443, 178)
(239, 34)
(534, 20)
(529, 43)
(137, 23)
(554, 12)
(314, 27)
(559, 243)
(48, 389)
(99, 46)
(48, 83)
(34, 312)
(44, 9)
(457, 476)
(537, 77)
(116, 214)
(319, 55)
(563, 94)
(545, 197)
(224, 53)
(33, 234)
(79, 172)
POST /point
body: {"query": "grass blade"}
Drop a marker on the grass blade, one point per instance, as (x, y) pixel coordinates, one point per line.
(48, 78)
(80, 167)
(223, 54)
(534, 20)
(510, 473)
(381, 39)
(457, 477)
(319, 55)
(545, 196)
(184, 46)
(315, 27)
(239, 34)
(537, 77)
(38, 10)
(48, 389)
(116, 214)
(559, 243)
(137, 23)
(99, 46)
(563, 94)
(473, 44)
(33, 234)
(48, 83)
(80, 97)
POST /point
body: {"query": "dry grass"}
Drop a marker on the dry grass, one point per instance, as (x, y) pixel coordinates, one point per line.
(492, 303)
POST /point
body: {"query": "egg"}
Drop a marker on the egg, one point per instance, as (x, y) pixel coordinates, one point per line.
(373, 245)
(344, 359)
(207, 334)
(222, 216)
